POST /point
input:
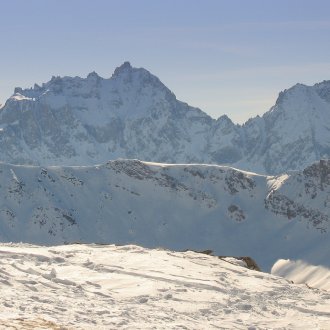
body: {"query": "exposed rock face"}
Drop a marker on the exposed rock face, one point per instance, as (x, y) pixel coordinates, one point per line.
(75, 121)
(200, 207)
(304, 188)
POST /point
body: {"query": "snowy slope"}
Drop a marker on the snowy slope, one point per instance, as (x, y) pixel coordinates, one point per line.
(128, 287)
(300, 272)
(175, 206)
(76, 121)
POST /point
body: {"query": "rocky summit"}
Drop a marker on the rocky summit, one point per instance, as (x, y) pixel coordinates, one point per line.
(76, 121)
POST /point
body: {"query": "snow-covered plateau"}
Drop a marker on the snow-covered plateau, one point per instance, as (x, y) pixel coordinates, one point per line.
(128, 287)
(76, 121)
(199, 207)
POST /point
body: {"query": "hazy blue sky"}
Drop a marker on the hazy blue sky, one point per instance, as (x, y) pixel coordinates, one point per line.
(229, 57)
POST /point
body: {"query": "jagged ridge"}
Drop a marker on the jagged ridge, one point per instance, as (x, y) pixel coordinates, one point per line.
(75, 121)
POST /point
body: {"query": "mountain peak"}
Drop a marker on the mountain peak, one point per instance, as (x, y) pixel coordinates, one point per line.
(93, 75)
(125, 67)
(81, 121)
(225, 119)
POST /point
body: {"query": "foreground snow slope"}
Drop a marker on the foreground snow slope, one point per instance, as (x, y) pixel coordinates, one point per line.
(76, 121)
(128, 287)
(174, 206)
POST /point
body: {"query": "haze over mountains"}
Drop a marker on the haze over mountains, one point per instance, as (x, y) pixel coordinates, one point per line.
(76, 121)
(174, 206)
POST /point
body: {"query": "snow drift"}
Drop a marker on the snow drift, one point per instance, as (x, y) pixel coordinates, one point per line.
(301, 272)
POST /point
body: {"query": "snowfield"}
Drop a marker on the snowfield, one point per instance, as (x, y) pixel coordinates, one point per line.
(130, 287)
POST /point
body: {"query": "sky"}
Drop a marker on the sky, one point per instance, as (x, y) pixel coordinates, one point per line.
(225, 57)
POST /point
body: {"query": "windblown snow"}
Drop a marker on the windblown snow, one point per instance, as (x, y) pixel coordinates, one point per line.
(299, 271)
(129, 287)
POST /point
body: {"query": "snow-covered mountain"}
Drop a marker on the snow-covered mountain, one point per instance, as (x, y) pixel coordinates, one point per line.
(294, 133)
(175, 206)
(75, 121)
(128, 287)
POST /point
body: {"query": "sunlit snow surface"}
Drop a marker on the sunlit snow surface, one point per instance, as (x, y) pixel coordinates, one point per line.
(129, 287)
(301, 272)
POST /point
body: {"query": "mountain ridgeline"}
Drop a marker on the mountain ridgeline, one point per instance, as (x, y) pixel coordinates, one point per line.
(76, 121)
(180, 207)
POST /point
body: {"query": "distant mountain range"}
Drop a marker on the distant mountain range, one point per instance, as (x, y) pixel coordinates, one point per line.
(180, 207)
(68, 121)
(75, 121)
